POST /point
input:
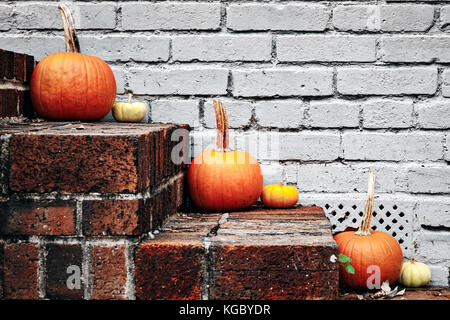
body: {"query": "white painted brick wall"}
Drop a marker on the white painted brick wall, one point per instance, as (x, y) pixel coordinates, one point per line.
(326, 48)
(383, 18)
(387, 113)
(289, 113)
(433, 115)
(268, 16)
(319, 91)
(387, 81)
(315, 81)
(170, 16)
(392, 146)
(333, 114)
(418, 49)
(222, 48)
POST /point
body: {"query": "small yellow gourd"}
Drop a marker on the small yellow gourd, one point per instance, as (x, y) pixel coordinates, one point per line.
(279, 196)
(129, 112)
(414, 274)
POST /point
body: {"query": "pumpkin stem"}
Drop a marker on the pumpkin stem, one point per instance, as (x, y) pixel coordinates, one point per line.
(222, 126)
(364, 228)
(130, 96)
(72, 44)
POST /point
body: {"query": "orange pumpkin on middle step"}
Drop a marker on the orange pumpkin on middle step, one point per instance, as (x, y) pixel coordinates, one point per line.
(224, 179)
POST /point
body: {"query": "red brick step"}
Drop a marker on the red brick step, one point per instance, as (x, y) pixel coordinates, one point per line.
(258, 254)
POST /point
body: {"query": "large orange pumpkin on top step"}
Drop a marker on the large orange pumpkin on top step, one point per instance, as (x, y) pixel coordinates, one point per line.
(370, 251)
(224, 179)
(71, 85)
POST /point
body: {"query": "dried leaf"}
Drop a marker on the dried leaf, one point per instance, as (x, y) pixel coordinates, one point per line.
(385, 286)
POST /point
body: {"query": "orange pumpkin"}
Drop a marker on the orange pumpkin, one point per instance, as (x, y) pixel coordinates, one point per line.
(71, 85)
(279, 196)
(370, 251)
(224, 179)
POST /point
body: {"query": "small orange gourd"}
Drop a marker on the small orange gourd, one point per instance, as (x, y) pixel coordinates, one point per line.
(222, 179)
(279, 196)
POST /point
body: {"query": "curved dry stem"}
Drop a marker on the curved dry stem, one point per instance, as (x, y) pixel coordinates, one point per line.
(222, 126)
(72, 44)
(364, 228)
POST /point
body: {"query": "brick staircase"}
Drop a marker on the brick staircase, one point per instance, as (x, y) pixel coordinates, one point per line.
(97, 211)
(256, 254)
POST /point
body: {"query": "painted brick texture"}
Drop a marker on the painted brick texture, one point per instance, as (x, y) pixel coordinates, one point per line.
(342, 86)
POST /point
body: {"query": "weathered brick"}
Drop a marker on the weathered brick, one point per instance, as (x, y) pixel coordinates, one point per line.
(383, 17)
(47, 16)
(289, 114)
(20, 271)
(247, 263)
(429, 179)
(6, 18)
(444, 17)
(333, 114)
(176, 111)
(415, 49)
(19, 66)
(108, 272)
(433, 247)
(222, 48)
(272, 173)
(1, 270)
(239, 113)
(439, 275)
(392, 146)
(433, 212)
(179, 81)
(6, 64)
(12, 102)
(85, 164)
(315, 146)
(349, 178)
(125, 48)
(59, 258)
(171, 16)
(282, 82)
(433, 115)
(447, 148)
(276, 285)
(114, 217)
(33, 45)
(326, 48)
(29, 66)
(102, 157)
(169, 270)
(445, 86)
(265, 16)
(120, 76)
(27, 217)
(387, 113)
(381, 81)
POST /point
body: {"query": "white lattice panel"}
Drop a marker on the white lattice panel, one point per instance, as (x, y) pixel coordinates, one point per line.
(390, 216)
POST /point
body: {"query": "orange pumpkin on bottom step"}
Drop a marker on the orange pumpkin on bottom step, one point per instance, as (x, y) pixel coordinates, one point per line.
(369, 250)
(224, 179)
